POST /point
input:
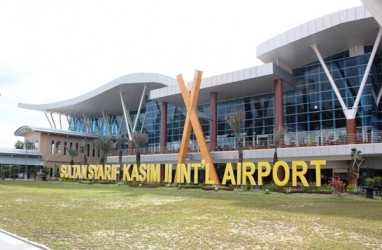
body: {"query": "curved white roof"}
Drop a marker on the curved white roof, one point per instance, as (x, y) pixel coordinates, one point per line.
(332, 33)
(106, 98)
(375, 8)
(24, 129)
(236, 84)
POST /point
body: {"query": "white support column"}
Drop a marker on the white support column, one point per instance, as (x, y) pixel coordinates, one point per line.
(50, 124)
(126, 115)
(106, 121)
(87, 125)
(67, 118)
(100, 128)
(377, 99)
(54, 124)
(368, 67)
(139, 108)
(60, 122)
(129, 120)
(334, 86)
(120, 126)
(350, 113)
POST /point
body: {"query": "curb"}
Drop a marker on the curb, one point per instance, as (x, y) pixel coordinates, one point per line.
(25, 240)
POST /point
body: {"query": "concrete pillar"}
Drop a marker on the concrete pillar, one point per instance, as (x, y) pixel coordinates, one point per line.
(130, 148)
(279, 117)
(351, 131)
(163, 127)
(279, 111)
(214, 121)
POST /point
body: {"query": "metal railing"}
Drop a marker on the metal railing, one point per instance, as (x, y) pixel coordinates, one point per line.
(318, 138)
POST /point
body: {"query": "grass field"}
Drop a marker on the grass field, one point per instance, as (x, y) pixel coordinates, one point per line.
(64, 215)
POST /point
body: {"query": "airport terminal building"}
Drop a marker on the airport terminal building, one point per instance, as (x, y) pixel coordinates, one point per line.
(321, 82)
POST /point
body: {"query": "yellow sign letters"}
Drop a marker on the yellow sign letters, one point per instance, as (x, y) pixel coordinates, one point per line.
(189, 173)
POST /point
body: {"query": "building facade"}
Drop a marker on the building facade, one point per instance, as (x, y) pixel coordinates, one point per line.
(14, 163)
(52, 147)
(321, 84)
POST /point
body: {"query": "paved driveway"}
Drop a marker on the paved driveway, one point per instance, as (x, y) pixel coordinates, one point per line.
(9, 241)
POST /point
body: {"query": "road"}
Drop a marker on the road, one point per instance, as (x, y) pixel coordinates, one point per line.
(10, 241)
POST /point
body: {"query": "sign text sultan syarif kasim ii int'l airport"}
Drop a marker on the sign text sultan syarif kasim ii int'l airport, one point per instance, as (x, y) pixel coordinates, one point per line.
(188, 173)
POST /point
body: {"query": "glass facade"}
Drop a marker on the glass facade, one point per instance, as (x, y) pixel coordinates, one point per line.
(312, 112)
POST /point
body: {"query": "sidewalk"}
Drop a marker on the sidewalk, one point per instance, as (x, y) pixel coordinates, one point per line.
(10, 241)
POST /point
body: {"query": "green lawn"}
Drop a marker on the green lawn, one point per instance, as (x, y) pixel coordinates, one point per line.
(81, 216)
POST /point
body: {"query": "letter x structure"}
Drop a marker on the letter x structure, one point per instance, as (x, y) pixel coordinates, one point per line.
(192, 121)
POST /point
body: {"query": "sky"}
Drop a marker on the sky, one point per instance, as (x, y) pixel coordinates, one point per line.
(53, 50)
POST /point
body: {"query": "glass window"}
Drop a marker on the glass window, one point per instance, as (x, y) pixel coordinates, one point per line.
(52, 147)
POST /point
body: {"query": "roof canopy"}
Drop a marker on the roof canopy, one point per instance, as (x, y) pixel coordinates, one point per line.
(106, 98)
(332, 33)
(252, 81)
(24, 129)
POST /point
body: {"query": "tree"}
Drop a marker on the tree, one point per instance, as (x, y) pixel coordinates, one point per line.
(235, 121)
(139, 139)
(73, 152)
(103, 144)
(356, 161)
(19, 144)
(121, 140)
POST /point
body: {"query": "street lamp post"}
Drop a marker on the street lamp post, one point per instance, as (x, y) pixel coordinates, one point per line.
(26, 160)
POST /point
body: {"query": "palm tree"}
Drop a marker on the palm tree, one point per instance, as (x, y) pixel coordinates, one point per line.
(121, 140)
(357, 160)
(84, 149)
(73, 152)
(236, 122)
(139, 139)
(103, 144)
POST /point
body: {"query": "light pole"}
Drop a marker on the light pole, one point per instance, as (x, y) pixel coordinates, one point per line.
(26, 160)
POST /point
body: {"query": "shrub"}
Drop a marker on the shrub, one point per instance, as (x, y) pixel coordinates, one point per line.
(338, 185)
(351, 188)
(191, 185)
(370, 182)
(311, 188)
(272, 187)
(378, 181)
(217, 187)
(326, 187)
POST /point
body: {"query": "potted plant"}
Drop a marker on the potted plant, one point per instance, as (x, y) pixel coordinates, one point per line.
(369, 182)
(378, 185)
